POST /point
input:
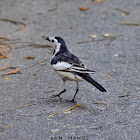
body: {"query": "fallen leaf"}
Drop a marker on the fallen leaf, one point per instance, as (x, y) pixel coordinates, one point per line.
(14, 71)
(3, 52)
(84, 8)
(30, 57)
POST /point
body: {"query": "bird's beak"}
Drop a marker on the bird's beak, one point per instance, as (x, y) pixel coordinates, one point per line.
(46, 38)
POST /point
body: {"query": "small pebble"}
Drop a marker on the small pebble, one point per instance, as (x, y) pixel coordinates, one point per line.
(106, 35)
(93, 36)
(54, 131)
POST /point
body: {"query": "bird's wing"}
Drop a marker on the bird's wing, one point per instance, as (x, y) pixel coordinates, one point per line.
(69, 62)
(80, 70)
(78, 66)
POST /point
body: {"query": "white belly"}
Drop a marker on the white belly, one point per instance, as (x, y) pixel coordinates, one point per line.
(69, 76)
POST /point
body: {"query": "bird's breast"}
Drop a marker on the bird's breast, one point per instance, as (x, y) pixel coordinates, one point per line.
(61, 66)
(70, 76)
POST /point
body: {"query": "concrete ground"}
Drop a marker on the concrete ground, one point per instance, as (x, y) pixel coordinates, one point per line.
(26, 109)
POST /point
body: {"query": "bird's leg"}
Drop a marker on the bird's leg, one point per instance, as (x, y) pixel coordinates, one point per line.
(77, 89)
(64, 90)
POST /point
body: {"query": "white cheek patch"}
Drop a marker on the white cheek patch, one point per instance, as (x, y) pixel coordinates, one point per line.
(61, 66)
(57, 48)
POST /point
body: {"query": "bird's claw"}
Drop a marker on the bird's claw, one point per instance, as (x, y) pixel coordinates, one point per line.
(72, 101)
(56, 95)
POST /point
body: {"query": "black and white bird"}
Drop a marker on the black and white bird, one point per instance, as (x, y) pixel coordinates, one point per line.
(68, 66)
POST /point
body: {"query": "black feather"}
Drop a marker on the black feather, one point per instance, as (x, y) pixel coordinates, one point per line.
(66, 56)
(88, 78)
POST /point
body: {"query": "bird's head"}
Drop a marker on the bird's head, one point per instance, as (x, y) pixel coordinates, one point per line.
(57, 43)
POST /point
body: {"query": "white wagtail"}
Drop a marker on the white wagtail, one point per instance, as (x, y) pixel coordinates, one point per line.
(68, 66)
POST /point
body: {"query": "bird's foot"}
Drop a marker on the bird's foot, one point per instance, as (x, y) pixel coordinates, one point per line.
(56, 95)
(72, 101)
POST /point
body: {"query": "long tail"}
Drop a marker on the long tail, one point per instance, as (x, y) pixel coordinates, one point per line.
(88, 78)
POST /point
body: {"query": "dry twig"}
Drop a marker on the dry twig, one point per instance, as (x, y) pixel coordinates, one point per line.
(4, 38)
(66, 111)
(34, 64)
(123, 11)
(107, 105)
(131, 24)
(133, 96)
(53, 9)
(121, 96)
(5, 45)
(35, 45)
(128, 96)
(50, 91)
(108, 75)
(7, 39)
(35, 72)
(8, 68)
(22, 106)
(98, 1)
(8, 126)
(81, 42)
(16, 23)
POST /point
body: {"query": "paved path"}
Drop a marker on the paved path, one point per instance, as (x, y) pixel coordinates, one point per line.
(25, 103)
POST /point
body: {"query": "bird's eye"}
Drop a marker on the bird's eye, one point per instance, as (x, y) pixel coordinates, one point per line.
(52, 41)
